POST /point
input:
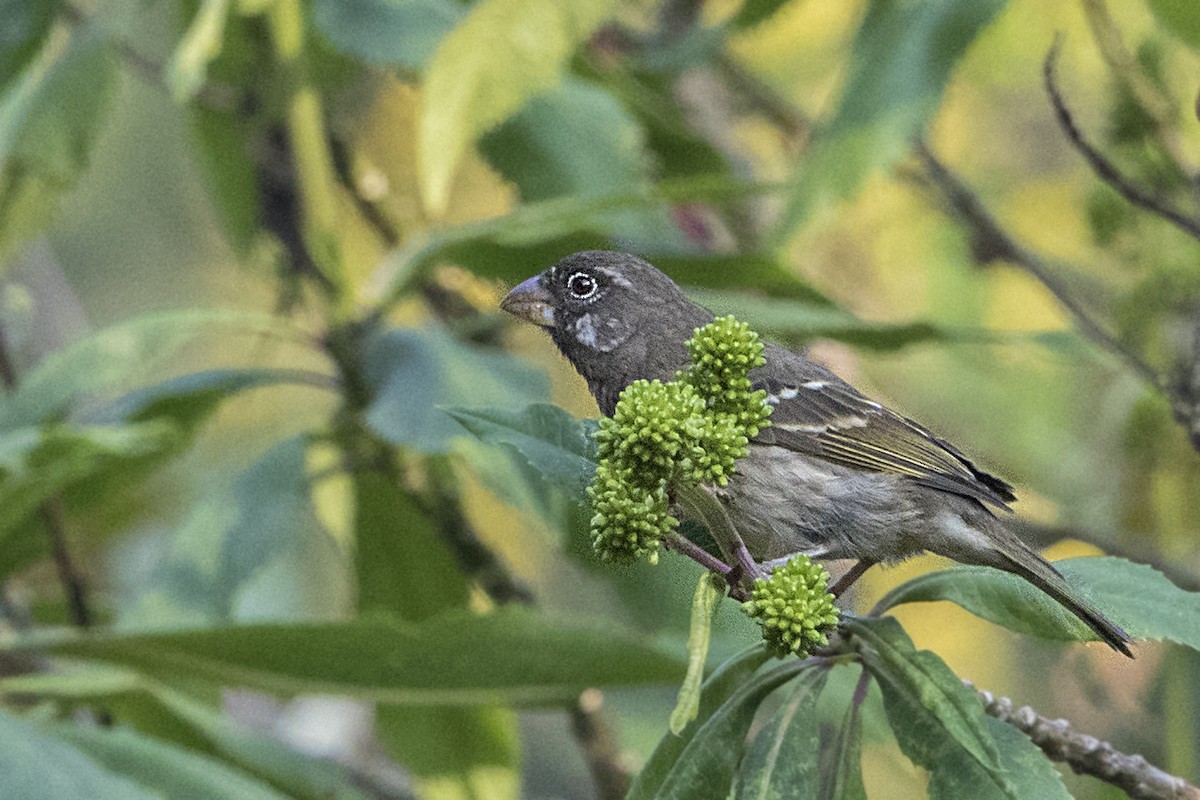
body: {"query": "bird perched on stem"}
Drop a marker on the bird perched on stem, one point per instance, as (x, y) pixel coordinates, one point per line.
(835, 475)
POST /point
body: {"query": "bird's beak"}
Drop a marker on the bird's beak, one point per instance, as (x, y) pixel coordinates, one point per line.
(530, 302)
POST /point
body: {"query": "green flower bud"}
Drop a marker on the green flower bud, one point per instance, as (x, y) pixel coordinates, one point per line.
(723, 353)
(655, 428)
(628, 520)
(688, 431)
(794, 607)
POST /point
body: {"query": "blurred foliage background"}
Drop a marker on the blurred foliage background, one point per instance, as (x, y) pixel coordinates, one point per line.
(252, 248)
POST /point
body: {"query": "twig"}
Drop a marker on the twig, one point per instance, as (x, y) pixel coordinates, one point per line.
(991, 242)
(1153, 101)
(51, 514)
(1087, 755)
(600, 747)
(1100, 164)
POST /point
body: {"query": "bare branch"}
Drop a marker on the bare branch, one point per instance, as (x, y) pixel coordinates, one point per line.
(600, 747)
(991, 242)
(1104, 168)
(1087, 755)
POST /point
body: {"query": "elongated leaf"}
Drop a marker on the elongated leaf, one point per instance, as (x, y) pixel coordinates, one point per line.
(719, 687)
(708, 765)
(25, 26)
(920, 677)
(402, 564)
(841, 775)
(413, 373)
(39, 766)
(783, 759)
(50, 115)
(502, 54)
(940, 724)
(163, 768)
(200, 45)
(1135, 596)
(556, 444)
(1024, 772)
(901, 62)
(454, 751)
(403, 33)
(38, 463)
(176, 717)
(1179, 17)
(512, 655)
(118, 357)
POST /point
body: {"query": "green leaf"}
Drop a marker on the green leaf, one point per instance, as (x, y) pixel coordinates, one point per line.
(162, 768)
(800, 322)
(708, 765)
(920, 680)
(456, 658)
(50, 116)
(412, 373)
(782, 761)
(454, 752)
(577, 139)
(841, 774)
(552, 441)
(37, 463)
(402, 563)
(764, 274)
(262, 528)
(118, 357)
(756, 12)
(709, 592)
(1137, 597)
(177, 717)
(573, 139)
(404, 33)
(200, 45)
(1024, 771)
(39, 766)
(940, 724)
(25, 26)
(719, 687)
(501, 55)
(901, 63)
(1179, 17)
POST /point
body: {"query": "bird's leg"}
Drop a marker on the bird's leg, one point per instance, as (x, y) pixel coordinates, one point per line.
(851, 575)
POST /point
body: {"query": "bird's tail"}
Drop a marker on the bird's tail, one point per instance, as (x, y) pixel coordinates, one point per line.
(1032, 567)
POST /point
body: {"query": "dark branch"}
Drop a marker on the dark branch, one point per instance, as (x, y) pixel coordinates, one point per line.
(1087, 755)
(600, 747)
(1104, 168)
(991, 242)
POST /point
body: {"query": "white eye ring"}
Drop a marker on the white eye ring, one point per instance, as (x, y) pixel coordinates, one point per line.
(582, 285)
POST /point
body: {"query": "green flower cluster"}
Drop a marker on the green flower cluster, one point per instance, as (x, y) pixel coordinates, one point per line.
(794, 607)
(691, 430)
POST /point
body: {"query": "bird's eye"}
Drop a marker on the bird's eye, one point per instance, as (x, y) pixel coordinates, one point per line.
(581, 285)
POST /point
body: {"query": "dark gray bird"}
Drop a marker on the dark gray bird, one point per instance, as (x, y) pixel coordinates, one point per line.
(835, 475)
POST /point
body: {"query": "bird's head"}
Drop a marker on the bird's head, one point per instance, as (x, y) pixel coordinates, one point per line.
(614, 316)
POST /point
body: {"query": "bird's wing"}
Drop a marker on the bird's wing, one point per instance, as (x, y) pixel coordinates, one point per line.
(819, 414)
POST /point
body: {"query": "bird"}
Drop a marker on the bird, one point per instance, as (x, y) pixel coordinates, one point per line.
(835, 475)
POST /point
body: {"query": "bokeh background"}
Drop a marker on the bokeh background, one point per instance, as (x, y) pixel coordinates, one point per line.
(301, 169)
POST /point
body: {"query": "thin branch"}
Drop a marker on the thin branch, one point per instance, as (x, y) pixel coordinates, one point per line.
(1100, 164)
(1087, 755)
(52, 516)
(991, 242)
(1153, 101)
(600, 747)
